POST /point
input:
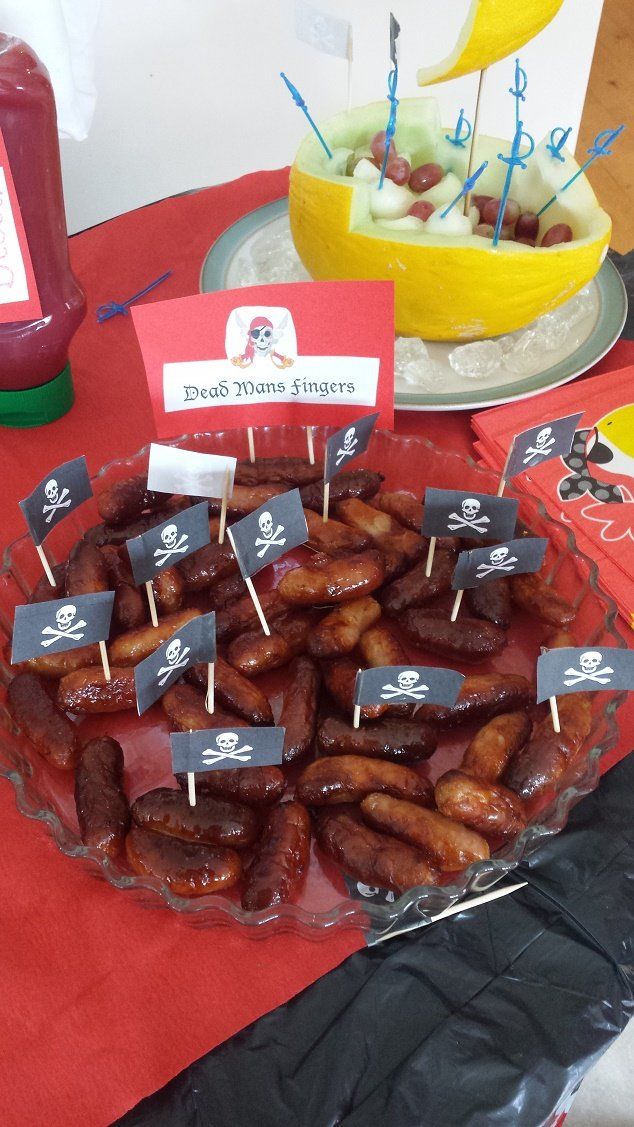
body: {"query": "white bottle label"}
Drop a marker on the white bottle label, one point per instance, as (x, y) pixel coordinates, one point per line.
(13, 280)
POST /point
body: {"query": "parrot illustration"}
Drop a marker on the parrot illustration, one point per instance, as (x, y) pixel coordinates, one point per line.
(609, 446)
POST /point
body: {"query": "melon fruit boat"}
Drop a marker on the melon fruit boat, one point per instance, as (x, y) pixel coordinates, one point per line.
(446, 287)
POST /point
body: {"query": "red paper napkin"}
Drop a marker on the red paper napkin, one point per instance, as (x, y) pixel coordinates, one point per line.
(592, 490)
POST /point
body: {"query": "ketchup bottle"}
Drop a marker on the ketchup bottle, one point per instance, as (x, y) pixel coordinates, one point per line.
(41, 302)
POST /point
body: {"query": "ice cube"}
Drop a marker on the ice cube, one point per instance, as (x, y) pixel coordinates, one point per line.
(413, 364)
(477, 360)
(524, 356)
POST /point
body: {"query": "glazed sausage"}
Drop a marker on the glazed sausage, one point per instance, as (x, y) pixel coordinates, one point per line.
(102, 807)
(495, 745)
(299, 708)
(281, 858)
(404, 507)
(487, 807)
(339, 632)
(491, 601)
(185, 708)
(371, 857)
(43, 592)
(350, 483)
(211, 820)
(242, 615)
(414, 588)
(188, 868)
(126, 500)
(335, 581)
(481, 697)
(532, 594)
(86, 570)
(339, 678)
(401, 741)
(253, 786)
(400, 546)
(546, 756)
(468, 639)
(54, 666)
(206, 565)
(226, 592)
(254, 652)
(286, 471)
(129, 608)
(86, 690)
(448, 844)
(135, 645)
(234, 691)
(244, 499)
(334, 538)
(379, 647)
(348, 778)
(50, 732)
(169, 589)
(117, 534)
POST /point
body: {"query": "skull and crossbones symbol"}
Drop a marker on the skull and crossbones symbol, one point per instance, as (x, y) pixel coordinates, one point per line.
(407, 686)
(261, 338)
(469, 517)
(226, 748)
(499, 562)
(269, 537)
(67, 627)
(176, 659)
(173, 545)
(543, 442)
(589, 671)
(350, 444)
(56, 499)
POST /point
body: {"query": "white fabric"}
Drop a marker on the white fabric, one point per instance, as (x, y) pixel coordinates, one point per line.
(62, 33)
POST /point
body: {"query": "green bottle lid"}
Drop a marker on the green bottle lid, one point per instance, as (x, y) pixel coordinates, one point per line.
(36, 406)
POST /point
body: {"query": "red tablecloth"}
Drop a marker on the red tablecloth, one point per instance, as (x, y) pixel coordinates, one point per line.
(103, 1001)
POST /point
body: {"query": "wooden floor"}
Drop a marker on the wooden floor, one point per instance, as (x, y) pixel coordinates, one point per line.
(609, 101)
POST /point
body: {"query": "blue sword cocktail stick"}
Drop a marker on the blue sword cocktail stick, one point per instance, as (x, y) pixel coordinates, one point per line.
(299, 101)
(555, 146)
(521, 82)
(514, 160)
(598, 148)
(459, 139)
(392, 82)
(468, 186)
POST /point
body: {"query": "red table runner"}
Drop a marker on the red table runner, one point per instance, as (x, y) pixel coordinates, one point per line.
(104, 1001)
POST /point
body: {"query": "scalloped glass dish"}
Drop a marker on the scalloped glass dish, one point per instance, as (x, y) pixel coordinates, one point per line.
(323, 903)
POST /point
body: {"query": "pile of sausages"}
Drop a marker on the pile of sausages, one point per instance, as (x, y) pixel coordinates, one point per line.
(361, 596)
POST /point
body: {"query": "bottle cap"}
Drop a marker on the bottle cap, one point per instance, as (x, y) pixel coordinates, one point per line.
(35, 406)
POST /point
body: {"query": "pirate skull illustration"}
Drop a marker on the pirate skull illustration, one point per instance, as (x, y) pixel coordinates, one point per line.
(407, 684)
(55, 498)
(67, 627)
(169, 535)
(544, 440)
(176, 656)
(470, 508)
(348, 447)
(51, 489)
(498, 555)
(226, 748)
(468, 517)
(543, 437)
(261, 339)
(228, 741)
(65, 616)
(589, 670)
(407, 679)
(269, 536)
(499, 560)
(172, 653)
(174, 545)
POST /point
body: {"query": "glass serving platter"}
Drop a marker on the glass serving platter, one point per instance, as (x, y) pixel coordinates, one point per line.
(324, 901)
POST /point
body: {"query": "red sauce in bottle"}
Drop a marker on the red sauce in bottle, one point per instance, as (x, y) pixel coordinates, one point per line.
(35, 383)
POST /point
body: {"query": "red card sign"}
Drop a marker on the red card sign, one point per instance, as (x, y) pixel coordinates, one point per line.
(19, 299)
(308, 353)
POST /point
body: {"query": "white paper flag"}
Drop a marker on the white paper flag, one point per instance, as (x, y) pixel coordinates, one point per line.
(172, 470)
(326, 33)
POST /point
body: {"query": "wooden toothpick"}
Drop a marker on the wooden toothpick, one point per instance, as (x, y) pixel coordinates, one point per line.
(150, 599)
(45, 564)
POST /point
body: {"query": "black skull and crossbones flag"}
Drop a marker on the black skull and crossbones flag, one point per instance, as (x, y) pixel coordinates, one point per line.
(407, 684)
(58, 494)
(513, 558)
(347, 444)
(61, 624)
(194, 643)
(169, 542)
(218, 749)
(580, 669)
(541, 443)
(458, 512)
(269, 532)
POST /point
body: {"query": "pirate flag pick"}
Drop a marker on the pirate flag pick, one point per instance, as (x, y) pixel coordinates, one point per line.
(457, 512)
(539, 444)
(484, 564)
(63, 624)
(343, 447)
(405, 684)
(264, 535)
(167, 544)
(195, 474)
(218, 749)
(57, 495)
(580, 669)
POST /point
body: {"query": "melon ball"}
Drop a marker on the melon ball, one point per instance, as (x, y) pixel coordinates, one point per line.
(455, 224)
(442, 194)
(392, 201)
(366, 171)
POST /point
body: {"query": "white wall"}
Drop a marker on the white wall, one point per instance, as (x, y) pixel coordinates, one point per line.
(189, 92)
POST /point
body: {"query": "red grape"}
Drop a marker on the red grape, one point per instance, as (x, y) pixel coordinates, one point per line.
(490, 210)
(560, 233)
(524, 239)
(377, 144)
(527, 226)
(425, 176)
(479, 202)
(422, 209)
(484, 229)
(398, 170)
